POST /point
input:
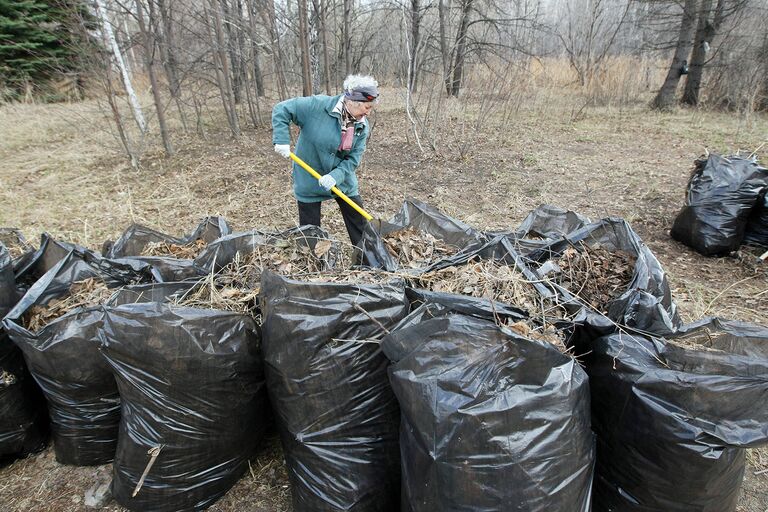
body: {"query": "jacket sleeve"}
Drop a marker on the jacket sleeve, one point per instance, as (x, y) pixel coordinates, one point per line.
(295, 110)
(352, 160)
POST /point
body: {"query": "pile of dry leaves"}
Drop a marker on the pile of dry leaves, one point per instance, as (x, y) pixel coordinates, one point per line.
(545, 332)
(412, 248)
(185, 252)
(88, 292)
(489, 279)
(594, 274)
(236, 286)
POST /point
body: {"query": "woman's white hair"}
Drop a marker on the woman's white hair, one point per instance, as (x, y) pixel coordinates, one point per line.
(353, 82)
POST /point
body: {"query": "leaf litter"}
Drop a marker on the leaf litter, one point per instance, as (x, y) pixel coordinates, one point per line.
(86, 293)
(595, 275)
(498, 282)
(236, 286)
(413, 248)
(182, 251)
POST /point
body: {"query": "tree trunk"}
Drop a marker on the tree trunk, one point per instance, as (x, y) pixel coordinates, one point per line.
(149, 62)
(230, 28)
(706, 30)
(415, 27)
(346, 38)
(306, 72)
(665, 98)
(258, 77)
(445, 54)
(168, 53)
(101, 11)
(320, 10)
(461, 47)
(269, 18)
(763, 102)
(222, 68)
(124, 139)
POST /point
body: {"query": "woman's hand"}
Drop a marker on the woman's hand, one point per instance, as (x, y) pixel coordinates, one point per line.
(283, 150)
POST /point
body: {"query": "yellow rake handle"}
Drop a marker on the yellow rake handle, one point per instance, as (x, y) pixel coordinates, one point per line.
(338, 192)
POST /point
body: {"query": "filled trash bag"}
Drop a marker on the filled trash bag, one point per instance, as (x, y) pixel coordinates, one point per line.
(756, 232)
(63, 357)
(22, 408)
(490, 420)
(421, 217)
(137, 238)
(646, 301)
(193, 403)
(327, 381)
(721, 195)
(23, 418)
(672, 418)
(313, 239)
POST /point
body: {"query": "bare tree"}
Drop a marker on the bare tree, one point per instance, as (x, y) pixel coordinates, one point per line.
(591, 28)
(665, 98)
(148, 42)
(709, 21)
(221, 66)
(461, 47)
(306, 72)
(109, 35)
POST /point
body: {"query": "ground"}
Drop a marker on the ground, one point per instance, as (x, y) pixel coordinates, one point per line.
(60, 172)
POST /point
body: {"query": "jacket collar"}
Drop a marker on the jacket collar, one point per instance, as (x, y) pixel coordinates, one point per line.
(330, 107)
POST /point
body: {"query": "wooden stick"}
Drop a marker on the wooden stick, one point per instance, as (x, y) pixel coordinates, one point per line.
(153, 453)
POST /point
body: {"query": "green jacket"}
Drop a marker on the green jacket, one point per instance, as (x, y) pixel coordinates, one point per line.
(318, 144)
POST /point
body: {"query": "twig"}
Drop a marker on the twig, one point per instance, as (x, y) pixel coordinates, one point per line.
(153, 452)
(363, 311)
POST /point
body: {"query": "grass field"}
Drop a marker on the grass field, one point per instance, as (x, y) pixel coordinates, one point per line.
(61, 172)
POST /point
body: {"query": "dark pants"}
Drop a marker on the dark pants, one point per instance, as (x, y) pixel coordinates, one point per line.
(309, 214)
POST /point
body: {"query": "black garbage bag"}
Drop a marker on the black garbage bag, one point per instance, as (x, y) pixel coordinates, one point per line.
(490, 420)
(327, 381)
(223, 251)
(193, 398)
(23, 417)
(63, 357)
(721, 194)
(756, 232)
(646, 304)
(672, 421)
(547, 221)
(50, 252)
(543, 225)
(167, 269)
(17, 245)
(136, 238)
(421, 216)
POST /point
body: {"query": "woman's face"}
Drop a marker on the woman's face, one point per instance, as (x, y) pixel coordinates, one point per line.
(358, 109)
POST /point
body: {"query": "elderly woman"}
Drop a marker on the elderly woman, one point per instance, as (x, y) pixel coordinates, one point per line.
(332, 140)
